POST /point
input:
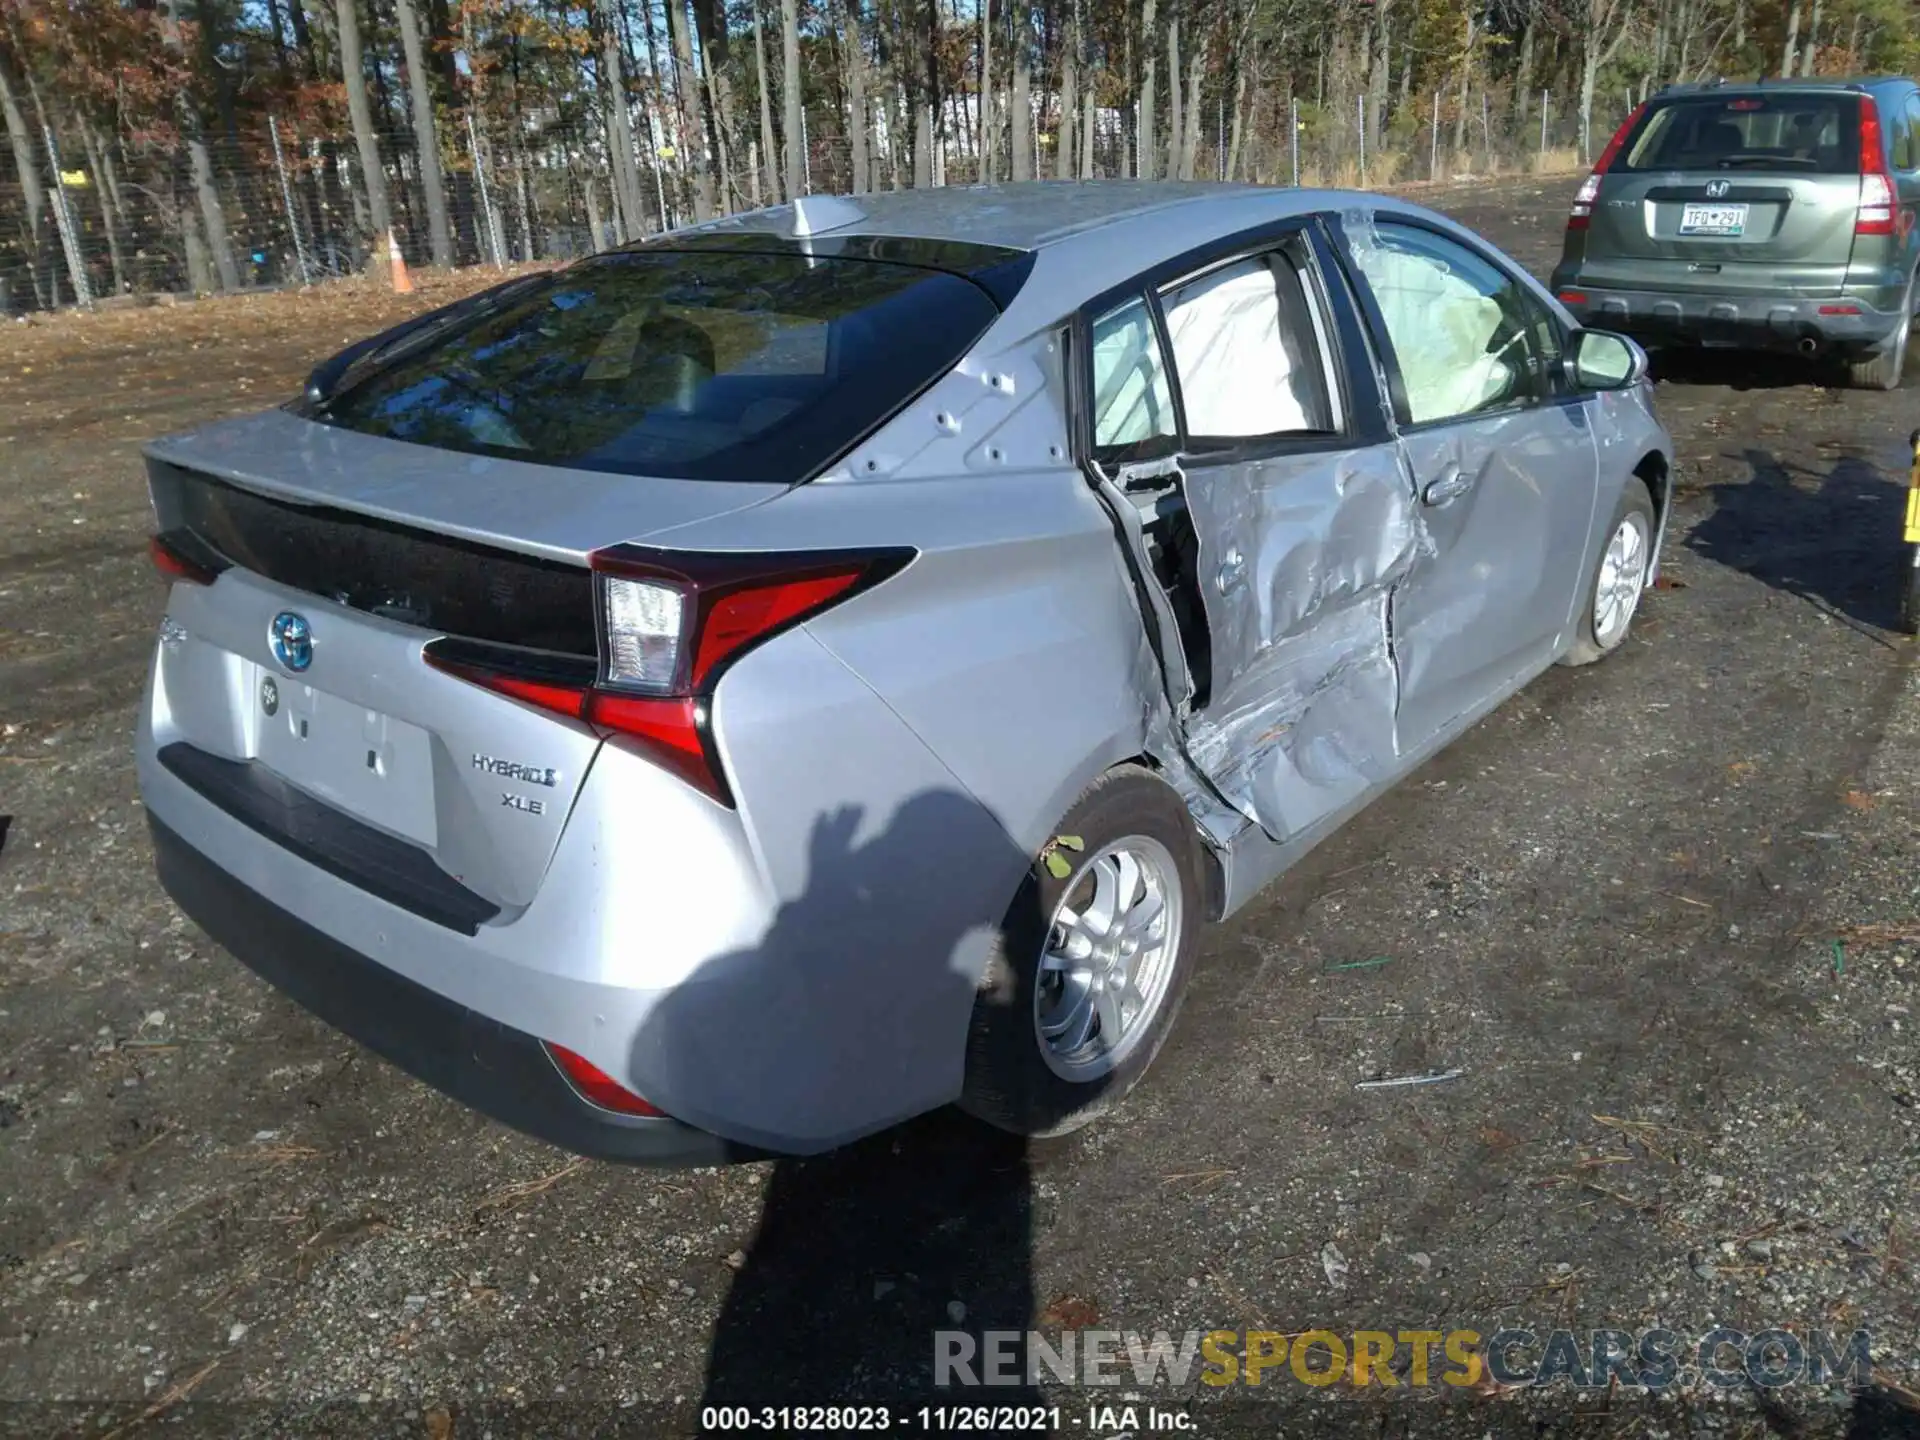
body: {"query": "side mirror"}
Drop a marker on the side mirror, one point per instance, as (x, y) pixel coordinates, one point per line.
(1601, 360)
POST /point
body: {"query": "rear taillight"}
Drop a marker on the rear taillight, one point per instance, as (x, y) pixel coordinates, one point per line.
(596, 1087)
(172, 565)
(1582, 213)
(669, 626)
(1875, 216)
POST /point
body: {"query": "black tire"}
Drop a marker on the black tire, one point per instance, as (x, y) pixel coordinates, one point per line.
(1883, 371)
(1910, 592)
(1636, 502)
(1009, 1083)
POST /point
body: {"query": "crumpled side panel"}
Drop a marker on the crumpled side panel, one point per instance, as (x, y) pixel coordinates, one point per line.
(1299, 559)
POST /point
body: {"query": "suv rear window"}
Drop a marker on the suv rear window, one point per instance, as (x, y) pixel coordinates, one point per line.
(1809, 133)
(702, 365)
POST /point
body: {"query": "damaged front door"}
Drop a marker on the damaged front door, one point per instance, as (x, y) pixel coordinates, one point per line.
(1504, 466)
(1279, 536)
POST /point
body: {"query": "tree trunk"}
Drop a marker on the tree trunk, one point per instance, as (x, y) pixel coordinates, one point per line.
(200, 276)
(1808, 52)
(1379, 76)
(768, 153)
(1064, 153)
(1241, 64)
(791, 98)
(354, 73)
(1792, 49)
(426, 138)
(1523, 69)
(1190, 146)
(692, 149)
(32, 194)
(987, 171)
(931, 109)
(1175, 114)
(1143, 161)
(1021, 139)
(624, 170)
(857, 118)
(1088, 106)
(108, 197)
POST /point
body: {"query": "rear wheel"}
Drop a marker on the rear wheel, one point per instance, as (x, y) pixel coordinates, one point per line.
(1090, 965)
(1613, 595)
(1883, 371)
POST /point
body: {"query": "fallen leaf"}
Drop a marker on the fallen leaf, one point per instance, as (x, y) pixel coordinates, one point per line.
(1857, 800)
(1740, 769)
(1070, 1312)
(1497, 1139)
(439, 1423)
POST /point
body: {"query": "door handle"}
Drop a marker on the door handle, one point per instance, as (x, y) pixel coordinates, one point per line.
(1450, 485)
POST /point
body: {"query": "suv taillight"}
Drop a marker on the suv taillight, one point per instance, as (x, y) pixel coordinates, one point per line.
(669, 626)
(1581, 215)
(1875, 216)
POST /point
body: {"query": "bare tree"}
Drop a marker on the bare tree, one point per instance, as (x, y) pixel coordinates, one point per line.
(768, 159)
(790, 95)
(1143, 161)
(45, 287)
(426, 139)
(857, 119)
(1788, 55)
(1020, 140)
(1600, 28)
(686, 89)
(353, 73)
(987, 137)
(629, 207)
(200, 164)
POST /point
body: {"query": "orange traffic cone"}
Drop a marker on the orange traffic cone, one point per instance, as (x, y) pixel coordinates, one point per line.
(401, 284)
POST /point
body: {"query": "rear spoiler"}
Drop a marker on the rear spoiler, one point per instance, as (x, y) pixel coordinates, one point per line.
(324, 381)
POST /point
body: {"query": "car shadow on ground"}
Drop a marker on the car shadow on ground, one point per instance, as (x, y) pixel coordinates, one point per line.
(1741, 369)
(868, 1259)
(1834, 539)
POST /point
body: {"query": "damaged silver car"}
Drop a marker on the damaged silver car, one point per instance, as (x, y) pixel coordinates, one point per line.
(753, 686)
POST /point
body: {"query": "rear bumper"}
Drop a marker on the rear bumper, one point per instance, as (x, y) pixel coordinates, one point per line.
(501, 1072)
(1748, 322)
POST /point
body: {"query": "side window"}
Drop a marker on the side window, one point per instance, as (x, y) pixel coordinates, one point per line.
(1248, 354)
(1459, 326)
(1132, 399)
(1900, 148)
(1910, 129)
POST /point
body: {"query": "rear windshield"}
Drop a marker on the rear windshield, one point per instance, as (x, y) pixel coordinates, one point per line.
(1815, 134)
(695, 365)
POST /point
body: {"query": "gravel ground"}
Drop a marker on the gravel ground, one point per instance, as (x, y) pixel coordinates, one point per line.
(1659, 914)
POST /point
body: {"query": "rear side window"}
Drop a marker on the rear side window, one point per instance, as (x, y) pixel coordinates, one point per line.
(1809, 132)
(1247, 354)
(694, 365)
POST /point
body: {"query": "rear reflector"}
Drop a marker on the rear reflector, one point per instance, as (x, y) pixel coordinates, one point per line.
(596, 1087)
(1573, 297)
(174, 566)
(1839, 309)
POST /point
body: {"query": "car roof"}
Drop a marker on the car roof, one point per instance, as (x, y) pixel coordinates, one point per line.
(1766, 86)
(1027, 215)
(1086, 236)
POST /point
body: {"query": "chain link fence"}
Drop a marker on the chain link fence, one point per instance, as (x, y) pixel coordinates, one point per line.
(99, 217)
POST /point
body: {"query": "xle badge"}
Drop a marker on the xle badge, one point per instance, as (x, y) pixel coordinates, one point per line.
(269, 696)
(523, 804)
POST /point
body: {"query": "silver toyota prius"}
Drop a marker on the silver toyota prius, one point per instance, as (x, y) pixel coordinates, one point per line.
(741, 690)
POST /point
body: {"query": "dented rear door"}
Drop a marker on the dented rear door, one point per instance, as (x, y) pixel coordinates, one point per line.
(1279, 535)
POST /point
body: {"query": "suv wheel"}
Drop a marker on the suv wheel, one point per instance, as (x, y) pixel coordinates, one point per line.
(1883, 371)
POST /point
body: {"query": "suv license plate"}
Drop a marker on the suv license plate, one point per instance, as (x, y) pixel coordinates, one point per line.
(1713, 220)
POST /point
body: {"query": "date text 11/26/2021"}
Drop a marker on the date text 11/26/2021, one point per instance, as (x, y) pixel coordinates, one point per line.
(946, 1419)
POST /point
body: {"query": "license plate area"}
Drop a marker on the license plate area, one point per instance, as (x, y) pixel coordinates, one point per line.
(1723, 221)
(369, 765)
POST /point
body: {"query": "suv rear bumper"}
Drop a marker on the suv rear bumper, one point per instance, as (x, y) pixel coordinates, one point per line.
(498, 1070)
(1747, 322)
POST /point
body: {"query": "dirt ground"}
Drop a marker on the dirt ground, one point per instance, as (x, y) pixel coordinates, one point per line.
(1635, 909)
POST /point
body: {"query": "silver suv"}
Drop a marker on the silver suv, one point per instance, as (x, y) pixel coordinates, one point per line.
(1764, 216)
